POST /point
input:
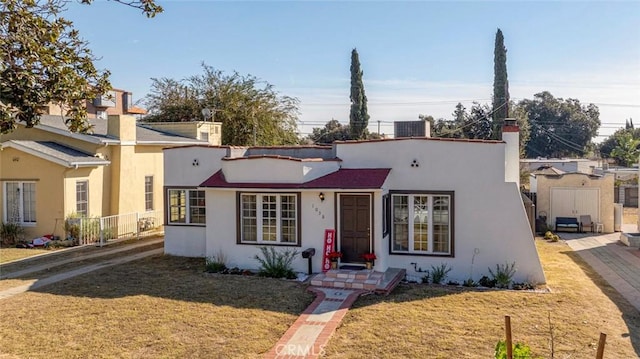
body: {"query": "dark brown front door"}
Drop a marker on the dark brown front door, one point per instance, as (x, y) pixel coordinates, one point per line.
(355, 225)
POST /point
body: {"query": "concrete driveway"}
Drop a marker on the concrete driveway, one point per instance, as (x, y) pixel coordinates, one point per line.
(618, 264)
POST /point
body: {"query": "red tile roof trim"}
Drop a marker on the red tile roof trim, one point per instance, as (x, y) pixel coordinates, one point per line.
(351, 178)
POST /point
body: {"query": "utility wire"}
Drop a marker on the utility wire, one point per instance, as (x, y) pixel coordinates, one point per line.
(476, 121)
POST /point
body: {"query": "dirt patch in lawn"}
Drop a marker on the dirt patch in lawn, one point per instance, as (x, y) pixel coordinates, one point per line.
(419, 321)
(160, 306)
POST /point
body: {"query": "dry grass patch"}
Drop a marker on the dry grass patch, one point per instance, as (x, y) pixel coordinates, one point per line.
(418, 321)
(12, 254)
(58, 254)
(156, 307)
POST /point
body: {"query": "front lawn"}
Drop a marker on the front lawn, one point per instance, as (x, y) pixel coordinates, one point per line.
(156, 307)
(418, 321)
(8, 254)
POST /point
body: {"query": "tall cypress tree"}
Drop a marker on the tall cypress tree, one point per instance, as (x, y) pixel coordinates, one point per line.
(358, 116)
(500, 84)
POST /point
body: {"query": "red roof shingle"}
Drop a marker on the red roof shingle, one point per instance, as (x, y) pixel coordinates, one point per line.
(352, 178)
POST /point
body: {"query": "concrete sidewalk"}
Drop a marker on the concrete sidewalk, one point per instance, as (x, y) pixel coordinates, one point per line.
(618, 264)
(37, 283)
(310, 333)
(75, 257)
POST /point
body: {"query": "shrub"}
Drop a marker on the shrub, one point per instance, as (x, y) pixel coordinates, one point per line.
(555, 238)
(216, 263)
(503, 274)
(11, 233)
(439, 273)
(469, 283)
(486, 282)
(425, 278)
(452, 282)
(548, 235)
(276, 264)
(520, 351)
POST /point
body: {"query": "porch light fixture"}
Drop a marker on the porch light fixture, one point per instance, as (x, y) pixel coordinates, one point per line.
(321, 196)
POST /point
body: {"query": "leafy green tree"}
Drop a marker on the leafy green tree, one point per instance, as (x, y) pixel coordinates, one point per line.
(558, 127)
(500, 84)
(332, 131)
(627, 150)
(358, 116)
(44, 61)
(611, 142)
(251, 110)
(477, 123)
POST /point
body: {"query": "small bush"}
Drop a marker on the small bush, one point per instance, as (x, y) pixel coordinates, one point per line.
(425, 278)
(555, 238)
(503, 274)
(548, 235)
(453, 282)
(276, 264)
(520, 351)
(486, 282)
(439, 273)
(469, 283)
(216, 263)
(11, 233)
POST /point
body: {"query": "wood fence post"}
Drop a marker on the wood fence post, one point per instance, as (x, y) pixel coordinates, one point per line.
(601, 342)
(507, 329)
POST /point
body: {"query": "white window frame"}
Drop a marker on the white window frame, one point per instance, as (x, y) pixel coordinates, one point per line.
(260, 217)
(21, 203)
(148, 195)
(430, 223)
(188, 206)
(86, 203)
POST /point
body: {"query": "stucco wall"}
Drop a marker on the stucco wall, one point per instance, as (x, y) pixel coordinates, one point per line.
(185, 241)
(577, 180)
(50, 195)
(489, 218)
(262, 170)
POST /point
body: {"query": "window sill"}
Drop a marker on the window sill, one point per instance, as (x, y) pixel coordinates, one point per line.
(277, 244)
(418, 254)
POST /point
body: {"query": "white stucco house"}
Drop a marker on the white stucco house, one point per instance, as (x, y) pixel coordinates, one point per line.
(408, 200)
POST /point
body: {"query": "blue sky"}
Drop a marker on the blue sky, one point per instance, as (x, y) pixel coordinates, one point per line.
(418, 57)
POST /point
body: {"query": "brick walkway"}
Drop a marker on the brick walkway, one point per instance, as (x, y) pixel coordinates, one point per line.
(618, 264)
(310, 333)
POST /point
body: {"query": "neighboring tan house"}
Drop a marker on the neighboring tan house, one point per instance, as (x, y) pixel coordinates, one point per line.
(414, 202)
(114, 102)
(48, 173)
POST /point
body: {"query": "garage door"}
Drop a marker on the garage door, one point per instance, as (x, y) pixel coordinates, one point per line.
(574, 202)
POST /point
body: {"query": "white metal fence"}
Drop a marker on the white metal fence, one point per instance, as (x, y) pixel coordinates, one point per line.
(102, 229)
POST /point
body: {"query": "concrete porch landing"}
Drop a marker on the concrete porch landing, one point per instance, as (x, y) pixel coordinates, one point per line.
(368, 280)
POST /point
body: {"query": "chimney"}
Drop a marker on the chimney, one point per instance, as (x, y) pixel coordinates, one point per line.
(511, 136)
(122, 127)
(427, 128)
